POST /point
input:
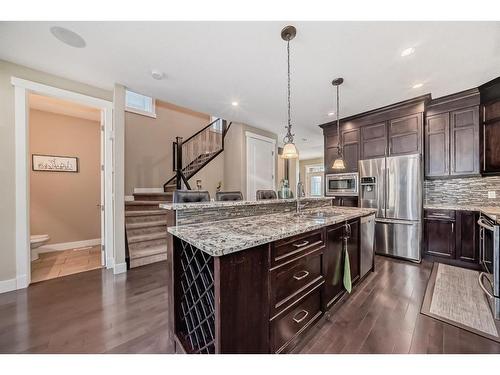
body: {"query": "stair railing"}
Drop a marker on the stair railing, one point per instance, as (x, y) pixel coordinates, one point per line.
(195, 152)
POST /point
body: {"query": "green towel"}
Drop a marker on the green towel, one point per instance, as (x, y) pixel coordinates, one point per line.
(347, 272)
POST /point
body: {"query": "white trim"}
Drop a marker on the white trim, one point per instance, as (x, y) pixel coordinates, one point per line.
(21, 90)
(147, 190)
(261, 137)
(129, 198)
(141, 113)
(8, 285)
(120, 268)
(68, 245)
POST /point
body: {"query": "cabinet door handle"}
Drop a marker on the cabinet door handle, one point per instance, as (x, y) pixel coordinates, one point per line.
(452, 227)
(301, 274)
(300, 320)
(301, 244)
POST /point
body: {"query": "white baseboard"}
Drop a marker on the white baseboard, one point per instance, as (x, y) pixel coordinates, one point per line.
(68, 245)
(129, 198)
(148, 190)
(120, 268)
(8, 285)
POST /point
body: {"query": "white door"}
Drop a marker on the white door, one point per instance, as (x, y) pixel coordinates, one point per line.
(261, 161)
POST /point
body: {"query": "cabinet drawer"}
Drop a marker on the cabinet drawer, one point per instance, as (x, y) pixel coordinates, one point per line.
(290, 248)
(292, 278)
(439, 214)
(289, 325)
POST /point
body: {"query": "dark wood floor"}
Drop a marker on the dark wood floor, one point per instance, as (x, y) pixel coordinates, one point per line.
(98, 312)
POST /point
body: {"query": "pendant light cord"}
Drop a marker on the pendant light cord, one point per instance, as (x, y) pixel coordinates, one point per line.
(288, 63)
(339, 146)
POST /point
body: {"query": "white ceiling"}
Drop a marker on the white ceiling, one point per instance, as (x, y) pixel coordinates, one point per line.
(63, 107)
(210, 64)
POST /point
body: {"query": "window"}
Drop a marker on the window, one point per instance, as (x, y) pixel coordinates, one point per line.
(314, 180)
(141, 104)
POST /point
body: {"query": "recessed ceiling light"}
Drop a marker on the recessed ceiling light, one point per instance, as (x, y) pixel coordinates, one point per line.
(331, 113)
(156, 74)
(407, 52)
(417, 85)
(68, 37)
(234, 104)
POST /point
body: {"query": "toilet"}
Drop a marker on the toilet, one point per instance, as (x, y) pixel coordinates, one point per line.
(36, 241)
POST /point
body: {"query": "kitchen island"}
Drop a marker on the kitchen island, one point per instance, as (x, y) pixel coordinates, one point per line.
(256, 284)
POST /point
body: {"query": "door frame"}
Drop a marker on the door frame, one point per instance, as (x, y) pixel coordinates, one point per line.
(265, 139)
(22, 88)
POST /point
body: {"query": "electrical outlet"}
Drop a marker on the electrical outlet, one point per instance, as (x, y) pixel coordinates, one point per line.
(492, 194)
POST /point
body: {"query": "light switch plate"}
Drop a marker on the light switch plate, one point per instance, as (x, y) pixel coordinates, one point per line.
(492, 194)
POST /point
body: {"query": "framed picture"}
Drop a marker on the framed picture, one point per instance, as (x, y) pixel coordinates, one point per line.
(51, 163)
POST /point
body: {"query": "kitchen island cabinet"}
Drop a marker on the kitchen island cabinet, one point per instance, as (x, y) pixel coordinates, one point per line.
(256, 285)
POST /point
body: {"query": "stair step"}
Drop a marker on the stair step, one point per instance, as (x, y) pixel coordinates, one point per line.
(158, 197)
(148, 260)
(145, 244)
(146, 224)
(132, 232)
(148, 251)
(147, 237)
(145, 213)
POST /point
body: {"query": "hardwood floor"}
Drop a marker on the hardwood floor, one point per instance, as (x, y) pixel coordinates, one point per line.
(383, 316)
(98, 312)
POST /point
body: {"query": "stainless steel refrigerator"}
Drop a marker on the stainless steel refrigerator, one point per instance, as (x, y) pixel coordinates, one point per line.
(393, 185)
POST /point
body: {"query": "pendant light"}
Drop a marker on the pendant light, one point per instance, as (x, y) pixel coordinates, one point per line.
(289, 149)
(339, 162)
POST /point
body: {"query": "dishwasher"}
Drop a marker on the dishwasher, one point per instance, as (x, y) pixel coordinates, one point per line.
(367, 243)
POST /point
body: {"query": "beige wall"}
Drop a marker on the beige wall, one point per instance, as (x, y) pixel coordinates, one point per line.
(148, 143)
(62, 204)
(235, 173)
(7, 147)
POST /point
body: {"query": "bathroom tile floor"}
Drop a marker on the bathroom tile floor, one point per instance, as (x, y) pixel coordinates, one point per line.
(61, 263)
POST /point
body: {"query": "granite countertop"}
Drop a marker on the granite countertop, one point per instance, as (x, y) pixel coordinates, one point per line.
(228, 236)
(216, 204)
(491, 211)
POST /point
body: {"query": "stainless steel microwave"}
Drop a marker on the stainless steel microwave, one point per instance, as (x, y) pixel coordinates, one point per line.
(342, 184)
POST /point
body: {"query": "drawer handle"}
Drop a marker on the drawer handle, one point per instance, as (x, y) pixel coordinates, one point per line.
(300, 275)
(301, 244)
(300, 320)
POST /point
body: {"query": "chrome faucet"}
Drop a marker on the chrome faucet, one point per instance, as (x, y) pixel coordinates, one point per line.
(300, 193)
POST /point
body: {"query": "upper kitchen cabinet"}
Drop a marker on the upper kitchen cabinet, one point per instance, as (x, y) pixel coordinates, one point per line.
(388, 131)
(490, 129)
(350, 144)
(452, 136)
(374, 141)
(405, 135)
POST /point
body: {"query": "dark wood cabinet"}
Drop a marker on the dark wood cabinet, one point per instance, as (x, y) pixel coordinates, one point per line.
(405, 135)
(350, 144)
(353, 249)
(437, 129)
(467, 236)
(374, 141)
(333, 265)
(464, 141)
(491, 138)
(439, 237)
(334, 258)
(452, 237)
(346, 201)
(452, 136)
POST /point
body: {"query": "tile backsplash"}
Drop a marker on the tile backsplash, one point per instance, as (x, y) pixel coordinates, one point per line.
(463, 191)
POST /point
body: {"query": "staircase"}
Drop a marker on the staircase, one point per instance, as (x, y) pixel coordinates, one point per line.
(145, 222)
(195, 152)
(146, 228)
